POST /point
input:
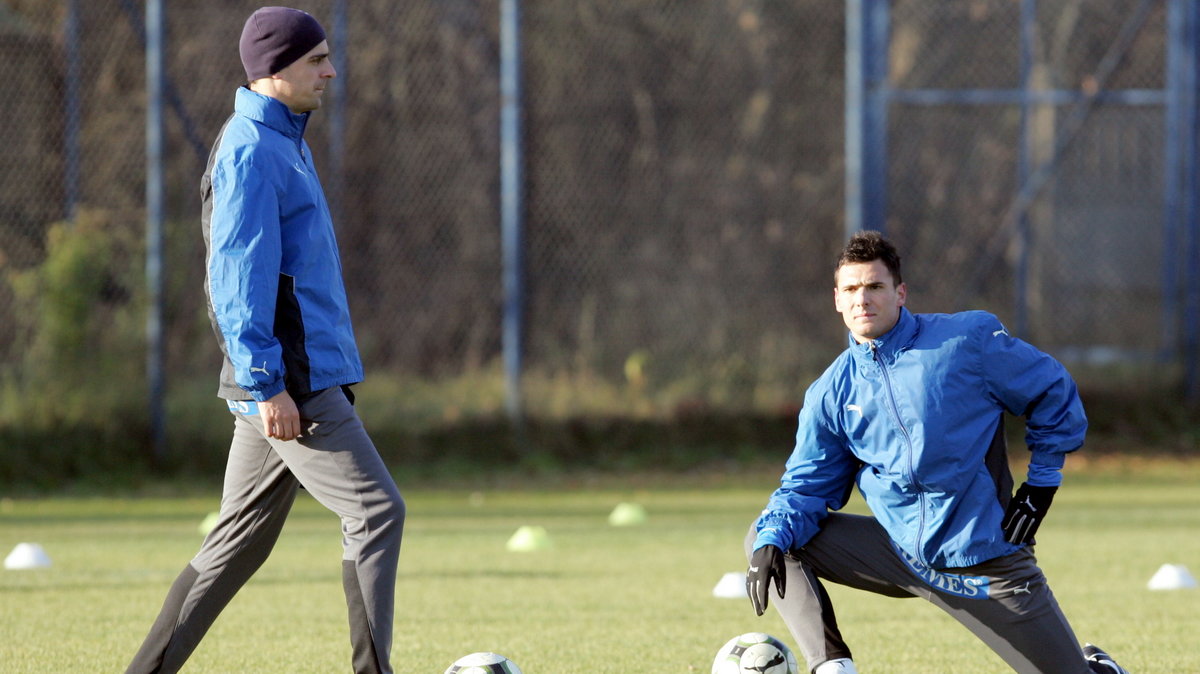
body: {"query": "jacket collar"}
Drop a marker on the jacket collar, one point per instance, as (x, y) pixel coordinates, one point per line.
(270, 112)
(887, 345)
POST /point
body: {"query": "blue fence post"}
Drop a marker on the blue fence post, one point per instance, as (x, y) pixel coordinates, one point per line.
(511, 203)
(1177, 126)
(1179, 328)
(867, 35)
(72, 106)
(337, 109)
(155, 199)
(1191, 220)
(1024, 243)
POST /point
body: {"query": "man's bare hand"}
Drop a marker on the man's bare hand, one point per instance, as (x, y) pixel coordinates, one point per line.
(280, 416)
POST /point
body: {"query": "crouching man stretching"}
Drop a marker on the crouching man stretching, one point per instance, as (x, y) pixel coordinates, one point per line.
(912, 413)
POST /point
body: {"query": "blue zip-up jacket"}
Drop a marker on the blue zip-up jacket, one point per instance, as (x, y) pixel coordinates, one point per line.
(915, 418)
(273, 274)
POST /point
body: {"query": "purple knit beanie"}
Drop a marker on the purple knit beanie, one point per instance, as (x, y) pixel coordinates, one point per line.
(274, 37)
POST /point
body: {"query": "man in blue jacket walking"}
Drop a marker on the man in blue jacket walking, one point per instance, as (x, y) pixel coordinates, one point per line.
(278, 308)
(912, 413)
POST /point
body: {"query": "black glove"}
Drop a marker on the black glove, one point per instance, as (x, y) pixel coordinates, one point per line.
(765, 563)
(1026, 512)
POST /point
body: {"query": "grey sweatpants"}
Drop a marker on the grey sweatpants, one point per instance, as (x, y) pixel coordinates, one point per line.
(337, 463)
(1005, 601)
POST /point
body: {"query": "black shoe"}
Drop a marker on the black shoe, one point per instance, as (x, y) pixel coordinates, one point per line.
(1101, 662)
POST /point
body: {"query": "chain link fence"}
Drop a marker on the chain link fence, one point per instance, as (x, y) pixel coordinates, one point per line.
(1080, 264)
(684, 178)
(684, 185)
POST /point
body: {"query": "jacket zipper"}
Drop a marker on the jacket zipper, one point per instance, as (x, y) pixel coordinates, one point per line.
(912, 475)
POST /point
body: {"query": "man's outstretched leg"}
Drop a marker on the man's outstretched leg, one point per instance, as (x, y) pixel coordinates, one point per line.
(258, 494)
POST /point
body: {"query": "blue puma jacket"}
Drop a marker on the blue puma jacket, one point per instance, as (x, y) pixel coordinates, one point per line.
(274, 277)
(915, 419)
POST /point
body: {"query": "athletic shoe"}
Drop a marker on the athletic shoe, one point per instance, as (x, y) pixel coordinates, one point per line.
(839, 666)
(1101, 662)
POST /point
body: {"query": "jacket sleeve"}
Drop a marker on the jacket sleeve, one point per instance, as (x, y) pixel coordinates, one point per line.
(818, 478)
(243, 272)
(1032, 384)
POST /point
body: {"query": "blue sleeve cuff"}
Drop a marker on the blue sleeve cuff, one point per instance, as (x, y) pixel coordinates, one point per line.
(267, 392)
(772, 530)
(1043, 475)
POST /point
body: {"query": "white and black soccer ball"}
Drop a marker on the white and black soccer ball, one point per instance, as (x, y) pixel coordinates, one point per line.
(483, 663)
(755, 653)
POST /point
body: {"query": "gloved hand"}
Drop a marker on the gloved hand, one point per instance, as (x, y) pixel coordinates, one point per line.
(1026, 512)
(765, 563)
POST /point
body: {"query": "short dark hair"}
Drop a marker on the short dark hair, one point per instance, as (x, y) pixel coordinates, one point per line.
(867, 246)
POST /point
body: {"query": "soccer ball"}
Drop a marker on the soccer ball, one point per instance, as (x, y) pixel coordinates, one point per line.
(755, 652)
(483, 663)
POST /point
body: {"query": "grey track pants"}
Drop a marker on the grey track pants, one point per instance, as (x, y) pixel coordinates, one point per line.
(337, 463)
(1006, 602)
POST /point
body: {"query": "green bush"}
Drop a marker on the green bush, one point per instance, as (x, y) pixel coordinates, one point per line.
(73, 403)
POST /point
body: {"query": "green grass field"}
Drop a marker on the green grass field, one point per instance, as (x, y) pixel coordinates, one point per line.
(624, 600)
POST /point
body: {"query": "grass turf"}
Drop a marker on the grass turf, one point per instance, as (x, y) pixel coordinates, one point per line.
(603, 599)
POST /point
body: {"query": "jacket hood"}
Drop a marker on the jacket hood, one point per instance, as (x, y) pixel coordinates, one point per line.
(270, 112)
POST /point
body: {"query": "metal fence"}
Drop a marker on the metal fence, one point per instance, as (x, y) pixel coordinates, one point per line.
(1035, 155)
(684, 182)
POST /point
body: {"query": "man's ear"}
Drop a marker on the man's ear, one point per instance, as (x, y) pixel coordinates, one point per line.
(901, 293)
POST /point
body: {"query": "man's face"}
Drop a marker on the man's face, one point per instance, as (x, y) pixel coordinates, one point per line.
(301, 85)
(868, 298)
